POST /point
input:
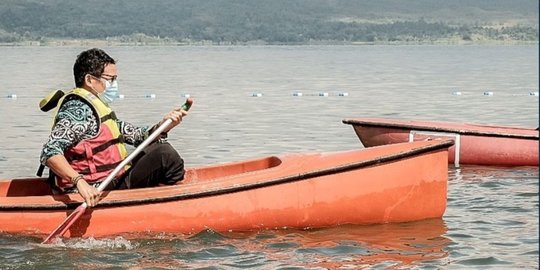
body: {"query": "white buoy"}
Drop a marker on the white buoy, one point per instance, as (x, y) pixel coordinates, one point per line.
(151, 96)
(343, 94)
(488, 93)
(12, 96)
(456, 93)
(323, 94)
(533, 94)
(297, 94)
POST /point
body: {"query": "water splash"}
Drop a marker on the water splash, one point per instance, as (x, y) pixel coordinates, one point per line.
(92, 243)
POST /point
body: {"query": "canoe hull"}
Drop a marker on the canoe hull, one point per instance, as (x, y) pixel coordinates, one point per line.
(407, 189)
(478, 145)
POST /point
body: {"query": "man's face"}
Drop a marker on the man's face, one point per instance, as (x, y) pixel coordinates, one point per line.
(98, 84)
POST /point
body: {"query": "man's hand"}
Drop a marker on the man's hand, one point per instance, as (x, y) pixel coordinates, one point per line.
(89, 193)
(176, 116)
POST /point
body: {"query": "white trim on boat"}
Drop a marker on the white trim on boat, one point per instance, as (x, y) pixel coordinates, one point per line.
(456, 136)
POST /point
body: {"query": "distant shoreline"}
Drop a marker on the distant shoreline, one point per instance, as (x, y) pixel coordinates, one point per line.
(109, 43)
(268, 23)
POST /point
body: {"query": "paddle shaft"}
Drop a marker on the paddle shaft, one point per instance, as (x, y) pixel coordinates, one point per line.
(139, 148)
(131, 156)
(66, 224)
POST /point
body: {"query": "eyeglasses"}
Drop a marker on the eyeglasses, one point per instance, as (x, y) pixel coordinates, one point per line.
(111, 78)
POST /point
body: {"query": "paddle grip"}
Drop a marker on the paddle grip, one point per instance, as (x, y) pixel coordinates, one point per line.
(186, 106)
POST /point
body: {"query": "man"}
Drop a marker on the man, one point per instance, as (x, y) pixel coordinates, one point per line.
(87, 141)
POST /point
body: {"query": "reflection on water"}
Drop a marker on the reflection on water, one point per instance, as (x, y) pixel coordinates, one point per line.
(398, 246)
(395, 245)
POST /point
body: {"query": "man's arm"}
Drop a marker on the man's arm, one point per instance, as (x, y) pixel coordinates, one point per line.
(61, 168)
(132, 134)
(75, 121)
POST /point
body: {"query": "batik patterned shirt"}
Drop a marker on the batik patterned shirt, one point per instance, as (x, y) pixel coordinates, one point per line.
(77, 121)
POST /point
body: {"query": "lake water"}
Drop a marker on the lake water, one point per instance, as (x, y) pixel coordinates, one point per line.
(492, 215)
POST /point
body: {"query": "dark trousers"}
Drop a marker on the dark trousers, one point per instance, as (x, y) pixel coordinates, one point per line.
(158, 163)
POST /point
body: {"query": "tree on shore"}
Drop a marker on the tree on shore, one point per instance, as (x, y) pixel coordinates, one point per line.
(269, 22)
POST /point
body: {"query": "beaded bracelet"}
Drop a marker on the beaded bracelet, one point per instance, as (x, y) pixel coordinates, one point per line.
(75, 179)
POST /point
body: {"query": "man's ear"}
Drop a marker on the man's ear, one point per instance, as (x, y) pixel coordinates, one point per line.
(87, 79)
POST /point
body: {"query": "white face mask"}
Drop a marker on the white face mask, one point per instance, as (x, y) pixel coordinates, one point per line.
(110, 93)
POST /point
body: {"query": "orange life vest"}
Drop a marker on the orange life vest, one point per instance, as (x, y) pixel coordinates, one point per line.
(95, 158)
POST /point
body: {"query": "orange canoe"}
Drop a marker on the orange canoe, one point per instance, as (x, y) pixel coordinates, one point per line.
(393, 183)
(474, 143)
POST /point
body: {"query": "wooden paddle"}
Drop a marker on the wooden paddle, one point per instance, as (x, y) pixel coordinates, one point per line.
(77, 213)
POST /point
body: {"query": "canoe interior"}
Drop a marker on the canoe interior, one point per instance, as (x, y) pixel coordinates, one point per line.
(40, 187)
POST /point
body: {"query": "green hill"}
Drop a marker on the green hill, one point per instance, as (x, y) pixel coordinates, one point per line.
(269, 21)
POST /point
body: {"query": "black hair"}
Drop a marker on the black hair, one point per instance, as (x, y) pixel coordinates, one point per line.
(91, 62)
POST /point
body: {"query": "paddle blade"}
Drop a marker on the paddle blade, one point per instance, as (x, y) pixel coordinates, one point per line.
(74, 216)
